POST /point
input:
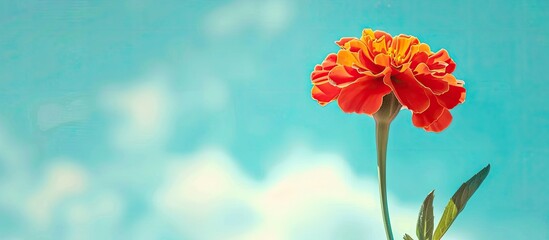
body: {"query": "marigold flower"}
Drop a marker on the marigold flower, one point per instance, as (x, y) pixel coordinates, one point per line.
(365, 70)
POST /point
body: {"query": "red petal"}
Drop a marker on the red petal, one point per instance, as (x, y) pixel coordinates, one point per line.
(441, 123)
(368, 63)
(436, 85)
(343, 75)
(454, 96)
(380, 34)
(319, 76)
(325, 93)
(418, 58)
(442, 56)
(363, 96)
(320, 73)
(408, 91)
(430, 115)
(330, 61)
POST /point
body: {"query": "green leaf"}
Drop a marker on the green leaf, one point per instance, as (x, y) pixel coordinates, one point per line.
(407, 237)
(458, 202)
(425, 224)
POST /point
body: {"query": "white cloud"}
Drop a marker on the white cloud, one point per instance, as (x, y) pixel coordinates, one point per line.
(96, 217)
(67, 197)
(308, 196)
(269, 17)
(144, 108)
(62, 180)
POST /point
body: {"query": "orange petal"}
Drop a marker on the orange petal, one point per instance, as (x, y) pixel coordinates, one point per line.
(380, 34)
(422, 68)
(355, 45)
(409, 92)
(422, 47)
(343, 75)
(402, 44)
(364, 96)
(454, 96)
(382, 60)
(367, 34)
(346, 58)
(449, 78)
(344, 40)
(430, 115)
(370, 35)
(441, 123)
(325, 93)
(379, 45)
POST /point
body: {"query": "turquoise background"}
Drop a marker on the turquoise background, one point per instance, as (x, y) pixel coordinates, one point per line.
(235, 75)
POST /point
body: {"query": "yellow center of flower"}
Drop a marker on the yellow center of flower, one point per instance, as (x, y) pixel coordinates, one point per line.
(394, 54)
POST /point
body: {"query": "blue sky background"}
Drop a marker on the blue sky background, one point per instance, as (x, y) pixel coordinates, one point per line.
(192, 119)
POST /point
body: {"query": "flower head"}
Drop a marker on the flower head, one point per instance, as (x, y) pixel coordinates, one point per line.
(365, 70)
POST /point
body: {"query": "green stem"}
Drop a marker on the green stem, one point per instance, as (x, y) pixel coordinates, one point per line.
(382, 137)
(384, 116)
